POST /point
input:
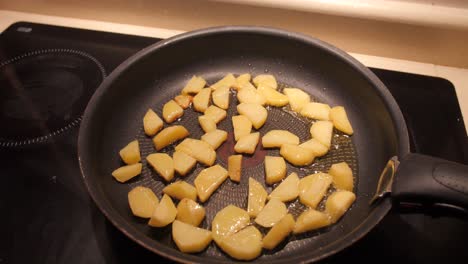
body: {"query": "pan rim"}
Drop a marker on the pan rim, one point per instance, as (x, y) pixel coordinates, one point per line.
(100, 199)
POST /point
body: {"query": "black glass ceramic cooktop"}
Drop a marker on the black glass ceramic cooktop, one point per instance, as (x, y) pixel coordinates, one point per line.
(48, 74)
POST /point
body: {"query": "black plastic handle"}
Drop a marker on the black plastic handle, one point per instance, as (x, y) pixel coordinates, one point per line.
(430, 181)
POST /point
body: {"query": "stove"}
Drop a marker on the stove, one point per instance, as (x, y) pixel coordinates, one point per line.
(48, 74)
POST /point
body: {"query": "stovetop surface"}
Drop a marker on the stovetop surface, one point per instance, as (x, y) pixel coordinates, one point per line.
(50, 218)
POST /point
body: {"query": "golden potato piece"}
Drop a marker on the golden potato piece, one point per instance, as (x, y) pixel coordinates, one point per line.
(164, 213)
(279, 232)
(265, 80)
(130, 154)
(215, 138)
(228, 221)
(162, 164)
(194, 85)
(272, 96)
(247, 144)
(275, 169)
(190, 239)
(152, 123)
(340, 120)
(323, 132)
(338, 203)
(190, 212)
(235, 167)
(317, 148)
(242, 126)
(342, 176)
(271, 213)
(181, 190)
(183, 163)
(216, 113)
(183, 100)
(297, 98)
(241, 80)
(248, 94)
(207, 123)
(257, 197)
(317, 111)
(208, 180)
(198, 149)
(313, 188)
(287, 190)
(276, 138)
(169, 135)
(226, 82)
(243, 245)
(127, 172)
(220, 97)
(172, 111)
(296, 155)
(142, 201)
(201, 101)
(310, 220)
(257, 114)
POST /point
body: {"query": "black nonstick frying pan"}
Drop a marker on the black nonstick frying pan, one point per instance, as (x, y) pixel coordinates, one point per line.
(158, 73)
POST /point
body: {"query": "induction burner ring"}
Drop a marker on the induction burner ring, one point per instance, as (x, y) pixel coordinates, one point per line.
(44, 93)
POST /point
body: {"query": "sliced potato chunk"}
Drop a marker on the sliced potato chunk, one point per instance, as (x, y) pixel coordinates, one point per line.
(215, 138)
(235, 167)
(313, 188)
(207, 123)
(317, 148)
(317, 111)
(228, 221)
(216, 113)
(142, 201)
(243, 245)
(279, 232)
(340, 120)
(164, 213)
(201, 101)
(247, 144)
(257, 197)
(323, 132)
(183, 100)
(152, 123)
(276, 138)
(257, 114)
(275, 169)
(172, 111)
(181, 190)
(183, 163)
(130, 154)
(288, 189)
(208, 180)
(190, 212)
(190, 239)
(241, 80)
(220, 97)
(296, 155)
(271, 213)
(242, 126)
(342, 176)
(310, 220)
(297, 98)
(272, 96)
(162, 164)
(265, 80)
(169, 135)
(248, 94)
(198, 149)
(194, 85)
(127, 172)
(228, 81)
(338, 203)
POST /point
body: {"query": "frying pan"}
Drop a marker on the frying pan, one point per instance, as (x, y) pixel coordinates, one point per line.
(156, 74)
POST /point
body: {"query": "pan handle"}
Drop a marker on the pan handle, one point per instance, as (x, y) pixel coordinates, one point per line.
(430, 181)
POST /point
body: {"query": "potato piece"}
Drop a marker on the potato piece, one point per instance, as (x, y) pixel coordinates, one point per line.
(323, 132)
(194, 85)
(317, 111)
(207, 123)
(208, 180)
(241, 80)
(313, 188)
(220, 97)
(257, 114)
(130, 154)
(183, 163)
(296, 155)
(215, 138)
(297, 98)
(127, 172)
(272, 96)
(169, 135)
(198, 149)
(275, 169)
(279, 232)
(142, 201)
(190, 239)
(172, 111)
(228, 81)
(235, 167)
(247, 144)
(201, 101)
(340, 120)
(271, 213)
(183, 100)
(276, 138)
(310, 220)
(152, 123)
(338, 203)
(243, 245)
(257, 197)
(317, 148)
(180, 190)
(228, 221)
(342, 176)
(164, 213)
(216, 113)
(162, 164)
(190, 212)
(265, 80)
(248, 94)
(288, 189)
(242, 126)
